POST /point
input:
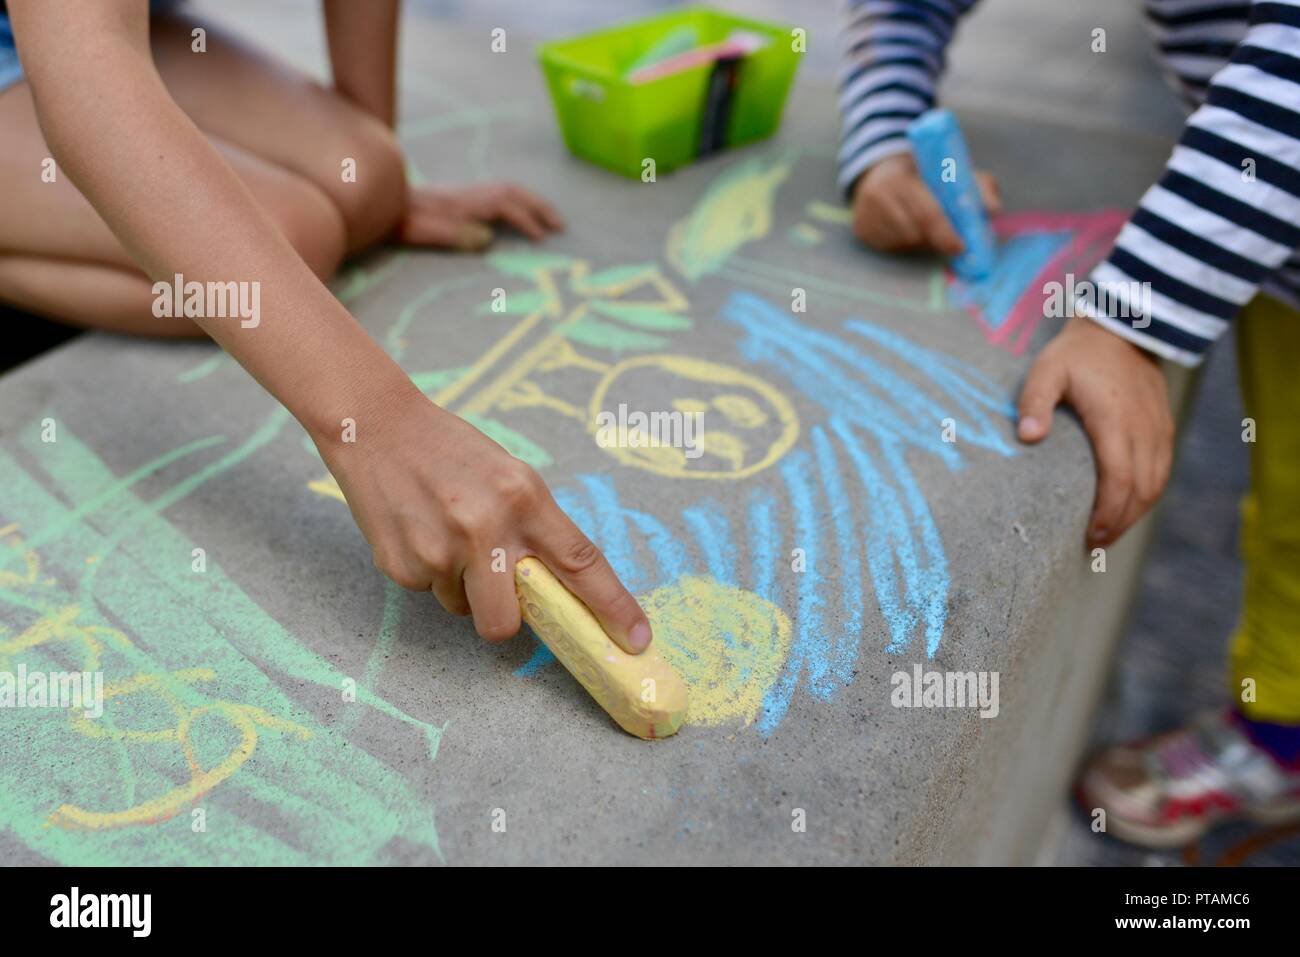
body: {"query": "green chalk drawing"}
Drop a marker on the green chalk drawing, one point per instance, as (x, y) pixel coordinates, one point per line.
(414, 175)
(641, 315)
(938, 290)
(742, 271)
(359, 280)
(432, 381)
(114, 489)
(480, 121)
(614, 278)
(528, 264)
(515, 304)
(394, 339)
(805, 234)
(460, 119)
(203, 369)
(605, 335)
(516, 443)
(395, 598)
(190, 649)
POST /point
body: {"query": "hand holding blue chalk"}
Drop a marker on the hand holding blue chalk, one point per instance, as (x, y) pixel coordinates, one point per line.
(944, 164)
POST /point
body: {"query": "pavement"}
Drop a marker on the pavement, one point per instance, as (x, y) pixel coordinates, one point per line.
(312, 713)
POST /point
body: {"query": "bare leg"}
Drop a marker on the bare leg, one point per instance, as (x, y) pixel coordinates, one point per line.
(285, 137)
(246, 97)
(83, 293)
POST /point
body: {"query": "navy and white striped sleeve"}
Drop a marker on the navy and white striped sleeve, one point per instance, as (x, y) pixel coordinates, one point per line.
(1226, 212)
(894, 53)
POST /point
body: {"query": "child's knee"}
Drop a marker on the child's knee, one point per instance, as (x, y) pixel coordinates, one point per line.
(313, 225)
(371, 191)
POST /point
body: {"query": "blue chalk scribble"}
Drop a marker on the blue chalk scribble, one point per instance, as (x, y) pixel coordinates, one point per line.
(847, 497)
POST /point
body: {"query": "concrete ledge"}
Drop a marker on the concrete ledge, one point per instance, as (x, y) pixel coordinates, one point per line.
(166, 448)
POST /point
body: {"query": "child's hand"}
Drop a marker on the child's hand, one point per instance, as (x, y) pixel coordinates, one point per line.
(436, 499)
(1119, 393)
(894, 211)
(461, 218)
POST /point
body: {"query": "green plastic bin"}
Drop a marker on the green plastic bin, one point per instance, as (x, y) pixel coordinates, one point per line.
(615, 124)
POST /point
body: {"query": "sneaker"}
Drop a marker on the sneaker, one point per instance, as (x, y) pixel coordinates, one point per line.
(1169, 790)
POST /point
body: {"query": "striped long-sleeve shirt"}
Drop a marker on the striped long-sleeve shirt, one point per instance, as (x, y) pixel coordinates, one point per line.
(1221, 223)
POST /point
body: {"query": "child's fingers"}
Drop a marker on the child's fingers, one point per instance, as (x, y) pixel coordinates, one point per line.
(523, 219)
(543, 210)
(492, 601)
(469, 235)
(578, 563)
(902, 228)
(451, 595)
(880, 221)
(926, 212)
(1164, 459)
(1042, 392)
(990, 193)
(1154, 457)
(1144, 492)
(1115, 469)
(447, 232)
(868, 221)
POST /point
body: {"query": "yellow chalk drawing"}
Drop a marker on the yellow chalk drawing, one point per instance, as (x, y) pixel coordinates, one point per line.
(327, 486)
(58, 623)
(826, 213)
(31, 561)
(572, 304)
(163, 744)
(748, 639)
(61, 624)
(736, 209)
(761, 424)
(245, 719)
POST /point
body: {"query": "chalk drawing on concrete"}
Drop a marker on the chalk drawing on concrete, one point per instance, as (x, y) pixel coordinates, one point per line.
(568, 323)
(1036, 249)
(805, 234)
(759, 424)
(881, 400)
(871, 400)
(730, 675)
(93, 578)
(736, 209)
(884, 397)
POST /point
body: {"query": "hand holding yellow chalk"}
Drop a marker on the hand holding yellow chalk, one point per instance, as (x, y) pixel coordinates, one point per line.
(641, 692)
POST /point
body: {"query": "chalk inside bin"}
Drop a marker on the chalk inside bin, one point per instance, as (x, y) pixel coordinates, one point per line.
(669, 88)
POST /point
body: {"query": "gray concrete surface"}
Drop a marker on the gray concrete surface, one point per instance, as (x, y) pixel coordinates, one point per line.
(455, 734)
(447, 736)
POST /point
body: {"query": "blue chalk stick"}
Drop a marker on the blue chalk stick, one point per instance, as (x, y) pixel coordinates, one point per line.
(944, 164)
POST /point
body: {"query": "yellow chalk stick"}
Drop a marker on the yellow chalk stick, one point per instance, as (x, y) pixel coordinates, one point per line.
(641, 692)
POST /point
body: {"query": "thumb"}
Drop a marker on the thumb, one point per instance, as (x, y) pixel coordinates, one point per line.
(447, 232)
(1042, 392)
(581, 567)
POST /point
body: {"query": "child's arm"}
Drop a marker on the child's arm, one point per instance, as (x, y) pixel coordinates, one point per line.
(362, 41)
(1225, 214)
(1120, 396)
(433, 496)
(894, 53)
(363, 56)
